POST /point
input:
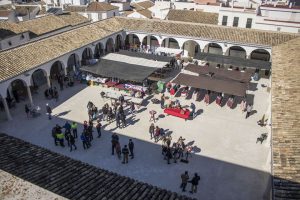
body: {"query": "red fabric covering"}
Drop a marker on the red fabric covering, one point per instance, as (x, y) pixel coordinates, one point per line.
(120, 86)
(172, 91)
(176, 112)
(110, 84)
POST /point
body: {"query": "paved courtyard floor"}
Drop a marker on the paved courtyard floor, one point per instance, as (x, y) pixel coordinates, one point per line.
(230, 163)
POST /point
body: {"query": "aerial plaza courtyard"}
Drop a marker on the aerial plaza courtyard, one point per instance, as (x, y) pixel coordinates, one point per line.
(225, 152)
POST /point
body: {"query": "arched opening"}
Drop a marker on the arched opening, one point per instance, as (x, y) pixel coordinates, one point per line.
(192, 47)
(38, 78)
(73, 64)
(260, 54)
(213, 48)
(170, 43)
(132, 41)
(87, 54)
(16, 92)
(109, 47)
(118, 43)
(151, 42)
(236, 51)
(57, 70)
(99, 50)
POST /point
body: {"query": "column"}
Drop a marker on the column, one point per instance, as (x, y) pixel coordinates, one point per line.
(65, 71)
(167, 43)
(48, 81)
(131, 41)
(6, 109)
(29, 95)
(148, 41)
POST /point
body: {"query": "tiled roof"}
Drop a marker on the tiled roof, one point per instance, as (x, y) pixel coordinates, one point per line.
(18, 60)
(193, 16)
(23, 10)
(5, 13)
(142, 5)
(147, 13)
(44, 24)
(71, 178)
(100, 7)
(14, 27)
(73, 8)
(73, 18)
(286, 120)
(206, 31)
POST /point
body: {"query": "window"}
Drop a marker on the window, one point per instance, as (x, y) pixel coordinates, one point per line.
(235, 22)
(9, 43)
(278, 28)
(249, 23)
(89, 16)
(224, 20)
(22, 36)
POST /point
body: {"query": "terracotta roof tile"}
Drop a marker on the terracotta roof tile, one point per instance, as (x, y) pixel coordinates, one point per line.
(142, 5)
(18, 60)
(193, 16)
(73, 8)
(14, 27)
(73, 18)
(5, 13)
(147, 13)
(44, 24)
(100, 6)
(80, 181)
(206, 31)
(285, 120)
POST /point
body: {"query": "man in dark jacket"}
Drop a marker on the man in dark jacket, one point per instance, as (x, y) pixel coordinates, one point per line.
(49, 111)
(54, 131)
(195, 180)
(184, 180)
(72, 142)
(125, 153)
(114, 140)
(131, 147)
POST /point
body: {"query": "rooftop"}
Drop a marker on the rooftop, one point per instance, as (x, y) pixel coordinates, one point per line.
(73, 8)
(100, 7)
(193, 16)
(13, 27)
(147, 13)
(285, 119)
(142, 5)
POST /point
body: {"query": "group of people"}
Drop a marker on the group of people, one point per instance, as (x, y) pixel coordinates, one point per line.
(51, 93)
(127, 150)
(92, 110)
(115, 111)
(70, 134)
(185, 179)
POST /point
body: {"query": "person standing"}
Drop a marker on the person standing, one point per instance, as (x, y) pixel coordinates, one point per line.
(131, 147)
(125, 153)
(118, 150)
(194, 181)
(118, 120)
(152, 115)
(26, 110)
(152, 130)
(114, 140)
(84, 141)
(67, 127)
(98, 127)
(49, 111)
(67, 136)
(184, 180)
(162, 101)
(54, 130)
(72, 142)
(249, 110)
(60, 137)
(132, 108)
(74, 129)
(168, 154)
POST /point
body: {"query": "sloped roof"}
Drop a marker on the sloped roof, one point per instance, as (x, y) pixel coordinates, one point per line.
(206, 31)
(18, 60)
(73, 18)
(100, 7)
(44, 24)
(193, 16)
(147, 13)
(13, 27)
(23, 10)
(142, 5)
(73, 8)
(71, 178)
(285, 119)
(5, 13)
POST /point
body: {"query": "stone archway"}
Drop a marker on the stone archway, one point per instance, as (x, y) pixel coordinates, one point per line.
(132, 41)
(213, 48)
(170, 43)
(73, 63)
(87, 54)
(192, 47)
(38, 78)
(260, 54)
(151, 42)
(17, 90)
(236, 51)
(109, 46)
(56, 70)
(99, 50)
(118, 43)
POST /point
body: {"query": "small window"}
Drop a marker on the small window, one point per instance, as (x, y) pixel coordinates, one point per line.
(249, 23)
(22, 36)
(9, 43)
(278, 28)
(235, 22)
(224, 20)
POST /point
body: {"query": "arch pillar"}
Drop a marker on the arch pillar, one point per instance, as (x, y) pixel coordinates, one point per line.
(48, 81)
(8, 115)
(29, 95)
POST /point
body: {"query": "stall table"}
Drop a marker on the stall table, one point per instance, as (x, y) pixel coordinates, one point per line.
(178, 112)
(110, 84)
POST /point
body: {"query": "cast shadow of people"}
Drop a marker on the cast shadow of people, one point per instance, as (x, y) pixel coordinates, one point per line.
(62, 113)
